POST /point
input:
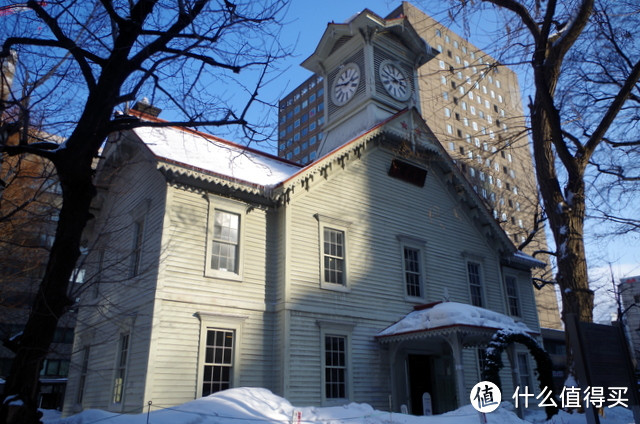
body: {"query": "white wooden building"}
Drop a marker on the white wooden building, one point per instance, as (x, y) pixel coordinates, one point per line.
(216, 266)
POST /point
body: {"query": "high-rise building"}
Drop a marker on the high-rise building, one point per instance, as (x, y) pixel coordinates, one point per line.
(472, 104)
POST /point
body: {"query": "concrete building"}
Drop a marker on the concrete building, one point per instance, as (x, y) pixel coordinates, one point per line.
(473, 105)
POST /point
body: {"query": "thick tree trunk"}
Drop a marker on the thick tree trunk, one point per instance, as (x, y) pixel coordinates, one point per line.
(52, 299)
(566, 212)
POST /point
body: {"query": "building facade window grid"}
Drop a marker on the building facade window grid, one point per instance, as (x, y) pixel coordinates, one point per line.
(335, 367)
(475, 283)
(512, 295)
(84, 369)
(136, 254)
(218, 362)
(121, 368)
(412, 273)
(333, 256)
(224, 253)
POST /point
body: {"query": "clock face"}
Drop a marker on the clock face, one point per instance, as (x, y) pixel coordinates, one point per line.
(345, 84)
(394, 80)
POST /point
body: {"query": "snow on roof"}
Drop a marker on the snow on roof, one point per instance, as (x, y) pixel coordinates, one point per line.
(449, 314)
(214, 155)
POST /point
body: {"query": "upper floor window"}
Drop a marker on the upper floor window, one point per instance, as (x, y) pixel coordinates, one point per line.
(511, 290)
(475, 283)
(412, 272)
(333, 252)
(136, 254)
(224, 251)
(333, 256)
(224, 244)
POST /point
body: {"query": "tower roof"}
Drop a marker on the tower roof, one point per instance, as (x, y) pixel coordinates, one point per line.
(368, 25)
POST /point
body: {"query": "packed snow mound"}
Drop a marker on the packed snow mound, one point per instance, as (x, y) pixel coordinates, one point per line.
(453, 313)
(260, 406)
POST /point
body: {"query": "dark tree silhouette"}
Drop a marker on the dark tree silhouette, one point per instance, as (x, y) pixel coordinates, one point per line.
(78, 62)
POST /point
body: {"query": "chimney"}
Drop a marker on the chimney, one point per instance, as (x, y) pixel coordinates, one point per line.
(145, 107)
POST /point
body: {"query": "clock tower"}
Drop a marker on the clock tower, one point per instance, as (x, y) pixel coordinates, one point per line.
(369, 69)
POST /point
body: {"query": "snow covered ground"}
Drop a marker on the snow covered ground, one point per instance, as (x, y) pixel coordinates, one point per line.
(257, 406)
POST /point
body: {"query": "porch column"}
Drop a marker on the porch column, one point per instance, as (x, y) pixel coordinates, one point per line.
(455, 343)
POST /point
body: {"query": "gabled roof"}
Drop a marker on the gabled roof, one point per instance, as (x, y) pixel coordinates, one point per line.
(367, 22)
(197, 154)
(205, 157)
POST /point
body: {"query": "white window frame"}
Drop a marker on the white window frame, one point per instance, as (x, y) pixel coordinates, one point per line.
(139, 223)
(337, 329)
(85, 355)
(420, 246)
(515, 296)
(119, 366)
(225, 322)
(138, 227)
(483, 297)
(325, 222)
(229, 206)
(519, 357)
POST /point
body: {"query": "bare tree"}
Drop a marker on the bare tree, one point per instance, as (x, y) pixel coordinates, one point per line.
(77, 62)
(583, 116)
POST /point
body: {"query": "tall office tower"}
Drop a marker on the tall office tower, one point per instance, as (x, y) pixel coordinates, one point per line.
(473, 106)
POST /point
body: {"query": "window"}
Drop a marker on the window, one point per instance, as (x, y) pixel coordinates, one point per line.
(475, 283)
(224, 255)
(84, 369)
(218, 361)
(482, 360)
(54, 368)
(121, 369)
(523, 370)
(224, 234)
(333, 253)
(335, 367)
(412, 271)
(136, 254)
(511, 289)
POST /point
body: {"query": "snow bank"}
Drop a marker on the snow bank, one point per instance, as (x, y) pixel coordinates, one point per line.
(260, 406)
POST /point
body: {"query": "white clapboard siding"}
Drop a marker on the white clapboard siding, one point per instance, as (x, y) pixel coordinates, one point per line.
(123, 304)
